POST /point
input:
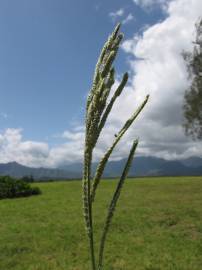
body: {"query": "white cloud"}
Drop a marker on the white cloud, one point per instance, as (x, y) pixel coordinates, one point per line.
(13, 148)
(116, 14)
(74, 136)
(128, 18)
(38, 154)
(160, 71)
(151, 3)
(69, 152)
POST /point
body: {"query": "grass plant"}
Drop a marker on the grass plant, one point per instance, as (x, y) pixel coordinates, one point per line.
(97, 112)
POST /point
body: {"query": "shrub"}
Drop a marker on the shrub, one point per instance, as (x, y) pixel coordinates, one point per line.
(13, 188)
(28, 178)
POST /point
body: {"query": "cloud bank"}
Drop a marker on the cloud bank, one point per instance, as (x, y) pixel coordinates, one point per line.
(158, 69)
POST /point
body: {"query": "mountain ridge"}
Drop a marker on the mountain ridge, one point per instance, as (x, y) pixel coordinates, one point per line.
(141, 166)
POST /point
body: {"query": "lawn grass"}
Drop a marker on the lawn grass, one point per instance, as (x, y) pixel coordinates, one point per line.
(158, 225)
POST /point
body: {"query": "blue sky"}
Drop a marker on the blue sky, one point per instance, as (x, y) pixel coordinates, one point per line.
(48, 51)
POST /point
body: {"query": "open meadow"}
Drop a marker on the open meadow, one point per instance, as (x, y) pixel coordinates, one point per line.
(157, 225)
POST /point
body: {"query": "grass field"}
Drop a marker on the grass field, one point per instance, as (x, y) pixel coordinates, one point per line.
(158, 225)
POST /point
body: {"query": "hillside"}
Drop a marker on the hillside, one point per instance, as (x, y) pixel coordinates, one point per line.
(17, 170)
(141, 166)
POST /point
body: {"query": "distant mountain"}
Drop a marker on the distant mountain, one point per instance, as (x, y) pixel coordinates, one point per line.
(147, 166)
(193, 162)
(141, 166)
(17, 170)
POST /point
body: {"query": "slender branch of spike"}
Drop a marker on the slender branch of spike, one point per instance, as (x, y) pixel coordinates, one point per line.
(98, 128)
(96, 103)
(113, 99)
(114, 202)
(112, 45)
(103, 81)
(95, 128)
(103, 162)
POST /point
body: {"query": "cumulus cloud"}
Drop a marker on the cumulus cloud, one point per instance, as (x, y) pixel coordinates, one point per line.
(128, 19)
(69, 152)
(14, 148)
(151, 3)
(158, 69)
(116, 14)
(74, 136)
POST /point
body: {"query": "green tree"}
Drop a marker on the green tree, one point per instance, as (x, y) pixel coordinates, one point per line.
(193, 96)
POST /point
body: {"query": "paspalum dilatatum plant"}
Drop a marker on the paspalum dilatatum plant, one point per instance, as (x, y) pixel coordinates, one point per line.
(97, 111)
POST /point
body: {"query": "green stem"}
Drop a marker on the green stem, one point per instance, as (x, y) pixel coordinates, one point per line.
(87, 203)
(113, 203)
(91, 238)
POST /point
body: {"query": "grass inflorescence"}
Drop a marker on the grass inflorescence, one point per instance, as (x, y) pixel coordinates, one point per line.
(97, 112)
